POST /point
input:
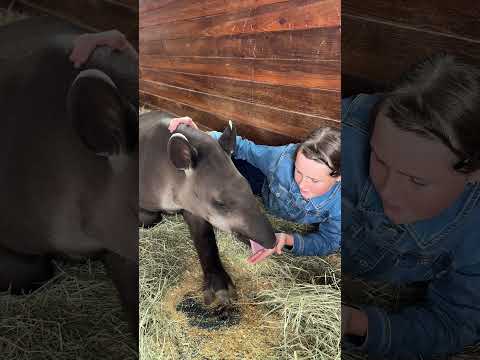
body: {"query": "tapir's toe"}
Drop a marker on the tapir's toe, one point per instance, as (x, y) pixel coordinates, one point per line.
(219, 288)
(224, 297)
(208, 296)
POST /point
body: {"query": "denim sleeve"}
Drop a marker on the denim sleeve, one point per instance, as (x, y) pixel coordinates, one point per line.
(325, 241)
(260, 156)
(447, 322)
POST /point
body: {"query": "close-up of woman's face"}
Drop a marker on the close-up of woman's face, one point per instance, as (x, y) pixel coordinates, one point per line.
(413, 175)
(312, 177)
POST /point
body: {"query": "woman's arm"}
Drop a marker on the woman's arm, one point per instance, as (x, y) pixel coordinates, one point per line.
(445, 323)
(260, 156)
(325, 241)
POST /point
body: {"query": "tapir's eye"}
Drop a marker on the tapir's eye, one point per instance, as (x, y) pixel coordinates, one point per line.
(219, 203)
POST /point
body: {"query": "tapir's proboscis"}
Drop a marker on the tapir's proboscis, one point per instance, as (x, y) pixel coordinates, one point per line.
(68, 158)
(192, 173)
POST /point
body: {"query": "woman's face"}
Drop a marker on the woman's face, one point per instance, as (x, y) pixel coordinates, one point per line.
(312, 177)
(413, 175)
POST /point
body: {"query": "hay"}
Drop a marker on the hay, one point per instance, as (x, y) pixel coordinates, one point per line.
(290, 306)
(76, 315)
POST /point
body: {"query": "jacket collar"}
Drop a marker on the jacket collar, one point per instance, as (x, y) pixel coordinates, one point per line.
(430, 231)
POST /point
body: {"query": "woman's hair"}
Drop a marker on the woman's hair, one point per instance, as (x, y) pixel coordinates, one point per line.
(323, 145)
(439, 99)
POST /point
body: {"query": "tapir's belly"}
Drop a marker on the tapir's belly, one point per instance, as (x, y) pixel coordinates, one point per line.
(74, 242)
(38, 239)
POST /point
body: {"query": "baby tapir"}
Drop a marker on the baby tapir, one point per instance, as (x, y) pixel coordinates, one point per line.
(191, 172)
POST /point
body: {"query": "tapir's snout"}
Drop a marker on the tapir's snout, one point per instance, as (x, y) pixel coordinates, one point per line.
(259, 230)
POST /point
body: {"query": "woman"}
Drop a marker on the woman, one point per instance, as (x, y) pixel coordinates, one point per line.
(411, 205)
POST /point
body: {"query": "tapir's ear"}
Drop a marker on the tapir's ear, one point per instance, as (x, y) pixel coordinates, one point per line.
(105, 122)
(181, 153)
(228, 139)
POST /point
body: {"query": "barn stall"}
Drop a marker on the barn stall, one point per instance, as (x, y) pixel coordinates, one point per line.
(273, 68)
(77, 314)
(381, 40)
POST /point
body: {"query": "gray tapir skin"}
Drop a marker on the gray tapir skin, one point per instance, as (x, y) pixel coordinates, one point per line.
(68, 158)
(189, 171)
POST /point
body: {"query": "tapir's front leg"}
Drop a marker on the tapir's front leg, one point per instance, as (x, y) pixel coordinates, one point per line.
(124, 273)
(217, 282)
(23, 273)
(148, 219)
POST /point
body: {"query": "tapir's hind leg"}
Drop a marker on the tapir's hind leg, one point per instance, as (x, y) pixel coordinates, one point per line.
(23, 273)
(217, 283)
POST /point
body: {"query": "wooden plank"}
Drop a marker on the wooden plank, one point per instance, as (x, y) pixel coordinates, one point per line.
(291, 98)
(291, 15)
(460, 17)
(207, 120)
(98, 15)
(319, 74)
(174, 10)
(273, 119)
(380, 52)
(311, 44)
(132, 4)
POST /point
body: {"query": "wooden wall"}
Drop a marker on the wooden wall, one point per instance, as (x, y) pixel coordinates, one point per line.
(93, 15)
(272, 66)
(381, 39)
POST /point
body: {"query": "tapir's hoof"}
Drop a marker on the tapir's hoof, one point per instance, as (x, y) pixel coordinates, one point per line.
(219, 287)
(224, 296)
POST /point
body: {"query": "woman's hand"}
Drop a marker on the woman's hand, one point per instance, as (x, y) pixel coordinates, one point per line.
(282, 240)
(85, 44)
(183, 120)
(354, 321)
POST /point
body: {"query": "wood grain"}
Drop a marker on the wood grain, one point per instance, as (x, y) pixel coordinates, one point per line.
(273, 66)
(321, 75)
(273, 119)
(209, 121)
(460, 17)
(291, 15)
(166, 11)
(382, 52)
(291, 98)
(311, 44)
(98, 15)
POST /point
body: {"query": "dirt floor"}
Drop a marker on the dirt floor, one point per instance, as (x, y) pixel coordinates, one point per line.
(287, 307)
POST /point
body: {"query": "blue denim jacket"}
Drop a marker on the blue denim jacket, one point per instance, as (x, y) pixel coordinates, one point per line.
(443, 251)
(282, 198)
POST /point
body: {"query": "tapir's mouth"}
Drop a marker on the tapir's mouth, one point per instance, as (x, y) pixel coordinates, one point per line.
(255, 247)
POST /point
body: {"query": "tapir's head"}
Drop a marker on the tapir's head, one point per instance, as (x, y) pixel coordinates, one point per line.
(213, 188)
